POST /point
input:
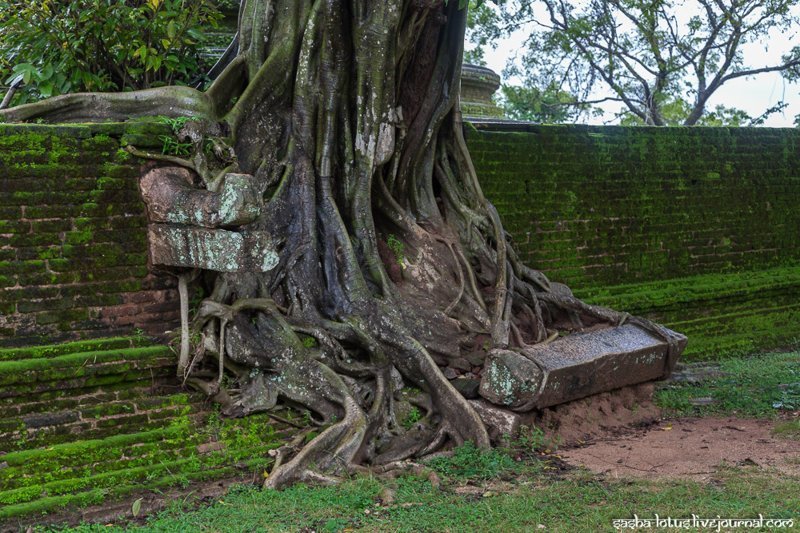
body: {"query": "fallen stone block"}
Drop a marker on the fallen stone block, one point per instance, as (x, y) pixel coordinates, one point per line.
(576, 366)
(583, 364)
(510, 379)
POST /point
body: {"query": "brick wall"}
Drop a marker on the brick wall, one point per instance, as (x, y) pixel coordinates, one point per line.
(600, 205)
(73, 254)
(594, 207)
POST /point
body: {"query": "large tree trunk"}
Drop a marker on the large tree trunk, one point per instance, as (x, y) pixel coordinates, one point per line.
(392, 263)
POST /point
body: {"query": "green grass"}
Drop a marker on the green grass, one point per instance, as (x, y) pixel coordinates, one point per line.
(758, 386)
(572, 502)
(469, 462)
(787, 430)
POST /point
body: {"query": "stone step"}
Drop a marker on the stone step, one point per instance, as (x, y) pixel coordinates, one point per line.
(674, 294)
(190, 448)
(83, 427)
(89, 457)
(63, 400)
(84, 370)
(54, 350)
(93, 421)
(114, 485)
(725, 312)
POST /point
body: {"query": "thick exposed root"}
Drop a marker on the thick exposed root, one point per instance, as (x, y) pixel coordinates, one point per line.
(88, 107)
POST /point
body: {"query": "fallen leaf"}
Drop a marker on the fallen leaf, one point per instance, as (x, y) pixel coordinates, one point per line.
(136, 508)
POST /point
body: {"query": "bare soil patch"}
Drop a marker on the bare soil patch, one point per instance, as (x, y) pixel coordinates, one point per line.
(598, 416)
(692, 448)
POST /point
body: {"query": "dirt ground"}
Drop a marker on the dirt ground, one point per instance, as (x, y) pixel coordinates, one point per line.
(688, 448)
(622, 434)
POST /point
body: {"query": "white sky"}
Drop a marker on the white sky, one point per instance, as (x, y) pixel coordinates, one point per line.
(754, 95)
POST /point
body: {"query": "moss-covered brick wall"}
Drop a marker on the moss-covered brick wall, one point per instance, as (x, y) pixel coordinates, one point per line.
(605, 205)
(697, 228)
(87, 423)
(617, 213)
(73, 255)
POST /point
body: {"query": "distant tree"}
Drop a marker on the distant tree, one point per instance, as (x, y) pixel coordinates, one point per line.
(674, 113)
(550, 105)
(662, 59)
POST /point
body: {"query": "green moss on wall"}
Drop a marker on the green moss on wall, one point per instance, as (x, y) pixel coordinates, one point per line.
(607, 205)
(70, 206)
(694, 227)
(84, 444)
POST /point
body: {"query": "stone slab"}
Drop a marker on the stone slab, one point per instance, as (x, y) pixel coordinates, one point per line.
(583, 364)
(170, 197)
(511, 379)
(211, 249)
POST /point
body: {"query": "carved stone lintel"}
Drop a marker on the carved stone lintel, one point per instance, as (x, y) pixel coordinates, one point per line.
(211, 249)
(187, 223)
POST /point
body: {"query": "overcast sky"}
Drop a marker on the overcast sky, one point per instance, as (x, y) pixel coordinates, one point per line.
(754, 95)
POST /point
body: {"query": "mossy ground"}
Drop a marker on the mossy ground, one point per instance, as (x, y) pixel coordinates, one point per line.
(759, 386)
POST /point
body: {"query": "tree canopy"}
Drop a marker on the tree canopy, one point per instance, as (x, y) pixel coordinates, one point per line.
(662, 60)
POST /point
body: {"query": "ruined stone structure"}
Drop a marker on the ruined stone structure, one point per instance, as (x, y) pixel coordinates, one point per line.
(693, 227)
(478, 86)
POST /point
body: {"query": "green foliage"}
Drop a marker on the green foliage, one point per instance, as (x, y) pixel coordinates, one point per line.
(58, 47)
(309, 342)
(414, 415)
(176, 123)
(675, 110)
(469, 462)
(171, 146)
(549, 105)
(758, 386)
(534, 439)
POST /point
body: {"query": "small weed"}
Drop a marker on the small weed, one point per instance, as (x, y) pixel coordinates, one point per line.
(171, 146)
(398, 249)
(787, 430)
(532, 439)
(175, 124)
(414, 416)
(309, 342)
